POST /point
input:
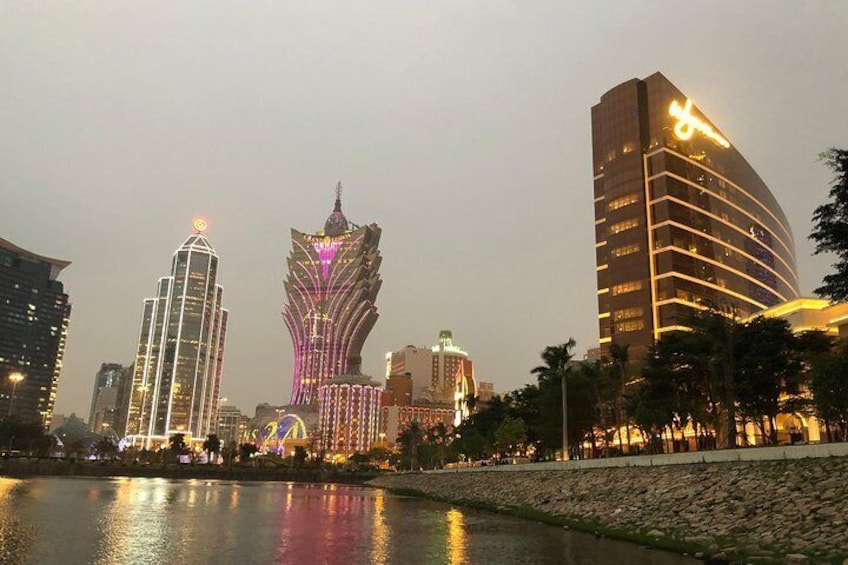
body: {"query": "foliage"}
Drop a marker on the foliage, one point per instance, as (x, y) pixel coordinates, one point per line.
(26, 437)
(177, 445)
(212, 445)
(105, 448)
(829, 386)
(510, 435)
(246, 451)
(831, 226)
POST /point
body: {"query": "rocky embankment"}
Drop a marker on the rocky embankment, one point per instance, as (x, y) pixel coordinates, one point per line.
(790, 511)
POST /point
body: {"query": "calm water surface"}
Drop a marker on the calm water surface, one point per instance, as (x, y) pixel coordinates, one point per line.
(117, 521)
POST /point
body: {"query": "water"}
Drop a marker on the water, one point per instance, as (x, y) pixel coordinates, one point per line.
(127, 521)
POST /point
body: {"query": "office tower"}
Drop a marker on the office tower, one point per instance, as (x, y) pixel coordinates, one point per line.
(34, 314)
(178, 365)
(333, 281)
(104, 414)
(232, 425)
(682, 221)
(349, 409)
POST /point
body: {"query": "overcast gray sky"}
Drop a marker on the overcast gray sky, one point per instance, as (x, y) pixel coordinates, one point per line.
(462, 128)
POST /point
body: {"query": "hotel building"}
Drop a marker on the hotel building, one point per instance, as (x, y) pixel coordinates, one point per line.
(682, 221)
(332, 284)
(34, 314)
(177, 376)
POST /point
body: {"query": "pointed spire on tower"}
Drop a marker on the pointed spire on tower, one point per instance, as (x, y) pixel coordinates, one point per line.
(336, 224)
(338, 207)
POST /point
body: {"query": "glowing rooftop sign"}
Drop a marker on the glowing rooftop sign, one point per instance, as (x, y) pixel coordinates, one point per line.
(687, 124)
(200, 225)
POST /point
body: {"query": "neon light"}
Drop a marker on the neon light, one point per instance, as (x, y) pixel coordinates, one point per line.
(200, 225)
(687, 124)
(326, 253)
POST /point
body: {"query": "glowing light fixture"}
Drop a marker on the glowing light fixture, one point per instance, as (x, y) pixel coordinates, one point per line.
(687, 124)
(200, 225)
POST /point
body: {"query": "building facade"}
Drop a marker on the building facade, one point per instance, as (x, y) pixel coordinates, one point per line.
(331, 288)
(441, 374)
(177, 375)
(232, 425)
(395, 419)
(105, 412)
(348, 414)
(34, 315)
(682, 221)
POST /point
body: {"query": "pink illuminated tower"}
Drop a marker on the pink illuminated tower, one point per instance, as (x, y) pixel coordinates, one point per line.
(333, 280)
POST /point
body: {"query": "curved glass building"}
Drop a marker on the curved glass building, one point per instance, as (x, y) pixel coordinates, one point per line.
(332, 284)
(682, 221)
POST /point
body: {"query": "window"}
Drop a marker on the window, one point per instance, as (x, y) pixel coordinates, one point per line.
(624, 250)
(626, 287)
(624, 226)
(623, 201)
(628, 313)
(631, 326)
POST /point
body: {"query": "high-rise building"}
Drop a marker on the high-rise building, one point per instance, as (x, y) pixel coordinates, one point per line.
(34, 314)
(104, 414)
(180, 355)
(232, 425)
(332, 284)
(348, 414)
(682, 221)
(442, 374)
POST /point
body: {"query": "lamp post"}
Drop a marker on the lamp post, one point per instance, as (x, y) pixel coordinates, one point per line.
(14, 378)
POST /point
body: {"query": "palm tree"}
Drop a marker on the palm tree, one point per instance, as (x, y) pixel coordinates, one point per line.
(409, 439)
(557, 359)
(620, 358)
(212, 444)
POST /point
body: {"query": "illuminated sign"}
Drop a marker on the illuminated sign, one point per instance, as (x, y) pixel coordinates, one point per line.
(200, 224)
(687, 124)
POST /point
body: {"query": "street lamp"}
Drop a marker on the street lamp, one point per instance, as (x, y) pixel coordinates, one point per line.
(14, 378)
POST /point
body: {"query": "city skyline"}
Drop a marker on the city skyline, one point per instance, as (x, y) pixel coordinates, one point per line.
(460, 178)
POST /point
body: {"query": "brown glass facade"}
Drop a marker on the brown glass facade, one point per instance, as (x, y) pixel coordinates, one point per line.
(682, 221)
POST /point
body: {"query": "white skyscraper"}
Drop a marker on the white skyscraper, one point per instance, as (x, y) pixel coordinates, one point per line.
(180, 353)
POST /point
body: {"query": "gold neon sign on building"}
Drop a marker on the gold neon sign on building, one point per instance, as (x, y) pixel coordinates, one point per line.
(687, 124)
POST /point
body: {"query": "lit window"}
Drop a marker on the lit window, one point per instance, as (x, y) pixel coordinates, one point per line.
(624, 250)
(630, 326)
(628, 313)
(626, 287)
(623, 201)
(624, 226)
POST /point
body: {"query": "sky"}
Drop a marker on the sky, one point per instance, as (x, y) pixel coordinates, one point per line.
(462, 128)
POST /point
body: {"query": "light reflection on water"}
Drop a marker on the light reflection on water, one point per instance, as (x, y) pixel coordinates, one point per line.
(127, 521)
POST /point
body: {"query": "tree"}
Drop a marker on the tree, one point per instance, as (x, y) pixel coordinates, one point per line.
(768, 369)
(246, 451)
(556, 367)
(831, 226)
(830, 389)
(619, 377)
(715, 329)
(177, 445)
(510, 435)
(300, 455)
(212, 445)
(105, 449)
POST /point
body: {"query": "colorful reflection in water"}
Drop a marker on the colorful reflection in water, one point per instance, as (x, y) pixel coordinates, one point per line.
(151, 521)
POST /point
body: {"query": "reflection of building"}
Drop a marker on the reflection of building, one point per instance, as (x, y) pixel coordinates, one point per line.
(682, 221)
(443, 374)
(180, 350)
(105, 410)
(232, 425)
(34, 314)
(348, 414)
(394, 419)
(333, 280)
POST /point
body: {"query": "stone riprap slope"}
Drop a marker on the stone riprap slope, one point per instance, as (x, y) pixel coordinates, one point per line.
(752, 511)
